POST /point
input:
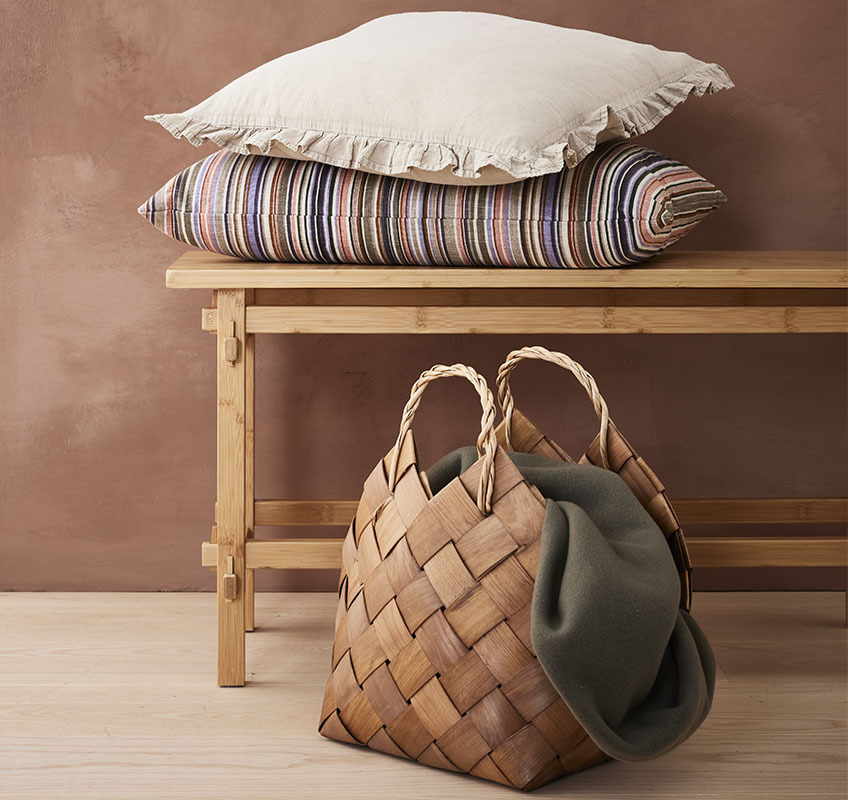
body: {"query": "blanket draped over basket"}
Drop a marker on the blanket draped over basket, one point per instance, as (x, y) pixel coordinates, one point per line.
(634, 668)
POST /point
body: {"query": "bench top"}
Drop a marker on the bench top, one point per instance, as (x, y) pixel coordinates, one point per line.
(707, 269)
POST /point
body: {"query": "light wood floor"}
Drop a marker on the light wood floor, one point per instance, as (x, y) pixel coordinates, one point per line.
(112, 696)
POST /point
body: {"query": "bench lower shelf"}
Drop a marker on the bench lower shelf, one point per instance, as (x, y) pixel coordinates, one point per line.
(720, 511)
(723, 551)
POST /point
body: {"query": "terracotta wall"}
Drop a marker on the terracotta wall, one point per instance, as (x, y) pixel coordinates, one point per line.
(107, 386)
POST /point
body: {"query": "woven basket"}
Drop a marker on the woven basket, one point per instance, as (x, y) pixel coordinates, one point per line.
(609, 449)
(432, 658)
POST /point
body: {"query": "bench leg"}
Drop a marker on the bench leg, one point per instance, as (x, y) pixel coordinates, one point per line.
(232, 473)
(249, 464)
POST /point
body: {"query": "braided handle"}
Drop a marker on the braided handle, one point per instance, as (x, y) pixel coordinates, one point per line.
(562, 360)
(486, 441)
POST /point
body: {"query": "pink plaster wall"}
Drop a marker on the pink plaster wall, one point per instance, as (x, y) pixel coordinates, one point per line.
(107, 384)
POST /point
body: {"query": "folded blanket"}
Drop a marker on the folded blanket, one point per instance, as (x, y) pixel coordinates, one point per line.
(636, 670)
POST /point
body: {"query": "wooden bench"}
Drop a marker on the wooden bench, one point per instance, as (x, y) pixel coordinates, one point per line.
(680, 292)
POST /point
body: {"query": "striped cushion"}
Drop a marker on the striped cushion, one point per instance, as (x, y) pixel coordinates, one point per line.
(619, 206)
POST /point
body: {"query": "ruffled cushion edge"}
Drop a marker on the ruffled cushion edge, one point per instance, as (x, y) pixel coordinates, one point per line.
(399, 157)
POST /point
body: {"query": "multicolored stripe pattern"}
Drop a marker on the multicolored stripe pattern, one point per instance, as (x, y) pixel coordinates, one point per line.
(621, 205)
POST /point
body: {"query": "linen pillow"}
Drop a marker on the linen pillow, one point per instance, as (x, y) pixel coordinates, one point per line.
(449, 97)
(619, 206)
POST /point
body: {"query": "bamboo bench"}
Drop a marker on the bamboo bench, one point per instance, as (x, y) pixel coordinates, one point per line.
(680, 292)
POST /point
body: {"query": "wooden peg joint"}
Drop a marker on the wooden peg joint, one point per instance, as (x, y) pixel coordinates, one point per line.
(231, 345)
(229, 582)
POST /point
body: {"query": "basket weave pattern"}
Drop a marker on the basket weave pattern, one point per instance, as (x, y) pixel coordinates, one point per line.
(432, 658)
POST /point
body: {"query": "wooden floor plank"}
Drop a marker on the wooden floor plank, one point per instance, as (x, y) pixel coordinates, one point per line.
(114, 696)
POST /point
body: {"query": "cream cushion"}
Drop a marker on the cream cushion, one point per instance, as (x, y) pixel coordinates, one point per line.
(449, 97)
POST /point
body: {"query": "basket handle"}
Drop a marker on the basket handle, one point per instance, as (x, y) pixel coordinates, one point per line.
(486, 441)
(560, 359)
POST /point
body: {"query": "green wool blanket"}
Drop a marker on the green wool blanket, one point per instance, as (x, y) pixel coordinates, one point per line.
(636, 670)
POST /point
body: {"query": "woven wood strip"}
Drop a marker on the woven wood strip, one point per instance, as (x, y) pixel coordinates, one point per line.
(611, 451)
(432, 657)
